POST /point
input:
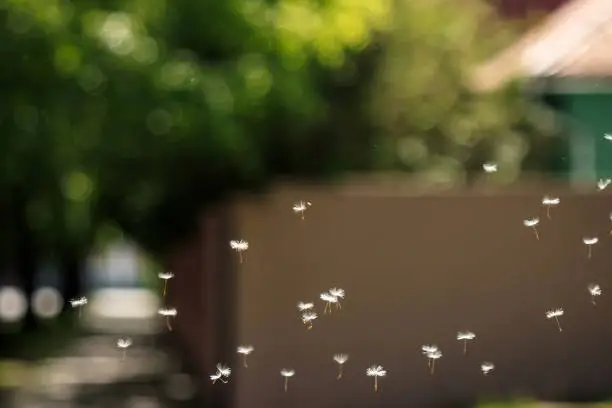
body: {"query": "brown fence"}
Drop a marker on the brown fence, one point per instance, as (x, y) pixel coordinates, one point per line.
(202, 292)
(416, 269)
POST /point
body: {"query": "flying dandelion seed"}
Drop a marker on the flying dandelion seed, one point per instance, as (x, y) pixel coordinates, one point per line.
(426, 349)
(555, 314)
(245, 351)
(465, 336)
(328, 298)
(301, 207)
(608, 136)
(340, 359)
(308, 317)
(489, 167)
(487, 367)
(217, 376)
(589, 242)
(302, 307)
(548, 202)
(124, 343)
(434, 355)
(532, 223)
(165, 276)
(376, 371)
(286, 373)
(594, 290)
(168, 313)
(602, 184)
(79, 303)
(338, 294)
(239, 246)
(223, 371)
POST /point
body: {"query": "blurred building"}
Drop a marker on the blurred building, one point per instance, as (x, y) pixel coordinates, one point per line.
(567, 60)
(119, 303)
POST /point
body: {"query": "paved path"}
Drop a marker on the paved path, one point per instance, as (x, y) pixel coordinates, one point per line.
(93, 373)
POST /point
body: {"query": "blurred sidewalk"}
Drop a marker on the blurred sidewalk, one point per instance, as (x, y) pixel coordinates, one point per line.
(91, 373)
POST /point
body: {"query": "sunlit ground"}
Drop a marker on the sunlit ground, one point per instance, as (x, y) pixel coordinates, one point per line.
(76, 362)
(123, 311)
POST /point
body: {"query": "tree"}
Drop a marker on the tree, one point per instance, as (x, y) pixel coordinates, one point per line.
(434, 123)
(142, 112)
(234, 104)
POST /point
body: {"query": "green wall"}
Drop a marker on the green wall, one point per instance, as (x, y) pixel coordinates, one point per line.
(591, 117)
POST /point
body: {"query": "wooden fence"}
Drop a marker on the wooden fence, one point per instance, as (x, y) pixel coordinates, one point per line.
(416, 268)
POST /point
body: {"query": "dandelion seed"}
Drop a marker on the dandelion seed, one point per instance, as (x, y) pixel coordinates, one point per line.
(434, 355)
(338, 294)
(429, 348)
(222, 371)
(594, 290)
(490, 167)
(302, 307)
(79, 303)
(301, 207)
(608, 136)
(610, 220)
(245, 351)
(168, 313)
(555, 314)
(532, 223)
(239, 246)
(340, 359)
(465, 336)
(602, 184)
(124, 343)
(589, 242)
(286, 373)
(328, 298)
(548, 202)
(376, 371)
(308, 317)
(487, 367)
(165, 276)
(217, 376)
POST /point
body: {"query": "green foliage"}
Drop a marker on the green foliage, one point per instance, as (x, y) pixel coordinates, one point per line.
(531, 403)
(516, 402)
(141, 112)
(144, 111)
(425, 107)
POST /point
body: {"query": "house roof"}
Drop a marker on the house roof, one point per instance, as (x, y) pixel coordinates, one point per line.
(574, 41)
